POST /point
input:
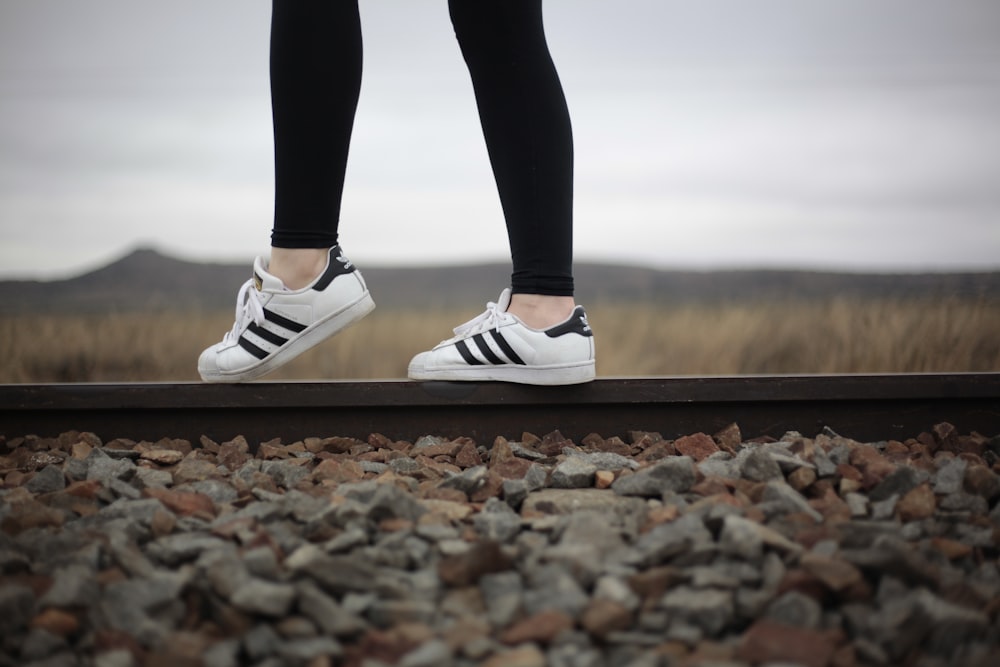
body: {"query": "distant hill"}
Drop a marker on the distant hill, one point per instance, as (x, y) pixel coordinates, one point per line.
(146, 280)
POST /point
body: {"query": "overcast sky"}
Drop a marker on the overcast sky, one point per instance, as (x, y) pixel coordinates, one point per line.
(833, 134)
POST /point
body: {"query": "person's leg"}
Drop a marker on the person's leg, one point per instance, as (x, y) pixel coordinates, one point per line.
(315, 63)
(535, 333)
(308, 291)
(528, 135)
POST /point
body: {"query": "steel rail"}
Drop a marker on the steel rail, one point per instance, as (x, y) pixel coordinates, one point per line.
(864, 407)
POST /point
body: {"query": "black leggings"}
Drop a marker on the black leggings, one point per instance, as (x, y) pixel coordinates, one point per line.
(316, 57)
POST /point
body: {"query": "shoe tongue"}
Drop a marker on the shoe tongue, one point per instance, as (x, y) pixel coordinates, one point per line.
(503, 301)
(264, 281)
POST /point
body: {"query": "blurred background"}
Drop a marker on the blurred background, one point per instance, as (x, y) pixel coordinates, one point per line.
(833, 137)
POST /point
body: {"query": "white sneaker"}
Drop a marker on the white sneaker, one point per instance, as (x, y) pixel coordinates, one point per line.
(274, 324)
(499, 346)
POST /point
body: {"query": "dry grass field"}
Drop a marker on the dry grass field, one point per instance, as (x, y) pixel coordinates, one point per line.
(837, 336)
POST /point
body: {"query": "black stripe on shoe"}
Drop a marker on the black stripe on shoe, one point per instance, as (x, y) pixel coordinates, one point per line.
(470, 358)
(487, 352)
(291, 325)
(507, 349)
(251, 348)
(269, 336)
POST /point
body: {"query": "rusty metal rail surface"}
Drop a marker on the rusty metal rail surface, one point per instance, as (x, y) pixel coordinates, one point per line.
(865, 407)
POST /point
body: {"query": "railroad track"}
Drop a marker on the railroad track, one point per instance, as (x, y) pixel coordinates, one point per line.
(864, 407)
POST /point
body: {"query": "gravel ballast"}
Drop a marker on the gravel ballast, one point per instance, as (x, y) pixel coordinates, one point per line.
(639, 552)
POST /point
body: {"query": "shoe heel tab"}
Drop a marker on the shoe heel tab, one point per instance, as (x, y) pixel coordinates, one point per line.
(337, 265)
(577, 324)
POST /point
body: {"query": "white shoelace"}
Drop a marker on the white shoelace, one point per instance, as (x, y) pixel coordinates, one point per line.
(492, 318)
(248, 306)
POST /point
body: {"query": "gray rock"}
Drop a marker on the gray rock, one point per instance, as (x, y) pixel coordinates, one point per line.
(373, 466)
(40, 644)
(536, 478)
(897, 483)
(525, 452)
(672, 474)
(603, 460)
(858, 504)
(219, 491)
(552, 587)
(332, 618)
(503, 594)
(759, 466)
(149, 477)
(118, 657)
(260, 642)
(514, 492)
(434, 653)
(468, 481)
(144, 608)
(796, 609)
(103, 468)
(302, 650)
(719, 465)
(47, 480)
(949, 478)
(76, 469)
(789, 499)
(497, 521)
(824, 466)
(710, 610)
(286, 474)
(963, 502)
(222, 653)
(181, 547)
(741, 538)
(884, 509)
(262, 562)
(667, 540)
(73, 586)
(404, 465)
(573, 473)
(16, 603)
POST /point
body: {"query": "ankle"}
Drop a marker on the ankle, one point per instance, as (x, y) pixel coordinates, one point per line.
(297, 267)
(541, 311)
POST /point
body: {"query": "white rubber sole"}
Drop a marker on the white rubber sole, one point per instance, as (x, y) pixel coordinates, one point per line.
(315, 334)
(577, 373)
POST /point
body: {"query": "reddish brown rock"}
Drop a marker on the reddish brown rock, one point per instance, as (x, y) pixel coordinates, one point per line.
(698, 446)
(918, 503)
(542, 627)
(871, 464)
(522, 656)
(802, 478)
(338, 471)
(729, 438)
(57, 621)
(490, 489)
(184, 503)
(484, 557)
(615, 445)
(767, 641)
(193, 469)
(468, 456)
(501, 451)
(981, 481)
(603, 479)
(234, 454)
(946, 436)
(515, 468)
(603, 616)
(30, 513)
(836, 574)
